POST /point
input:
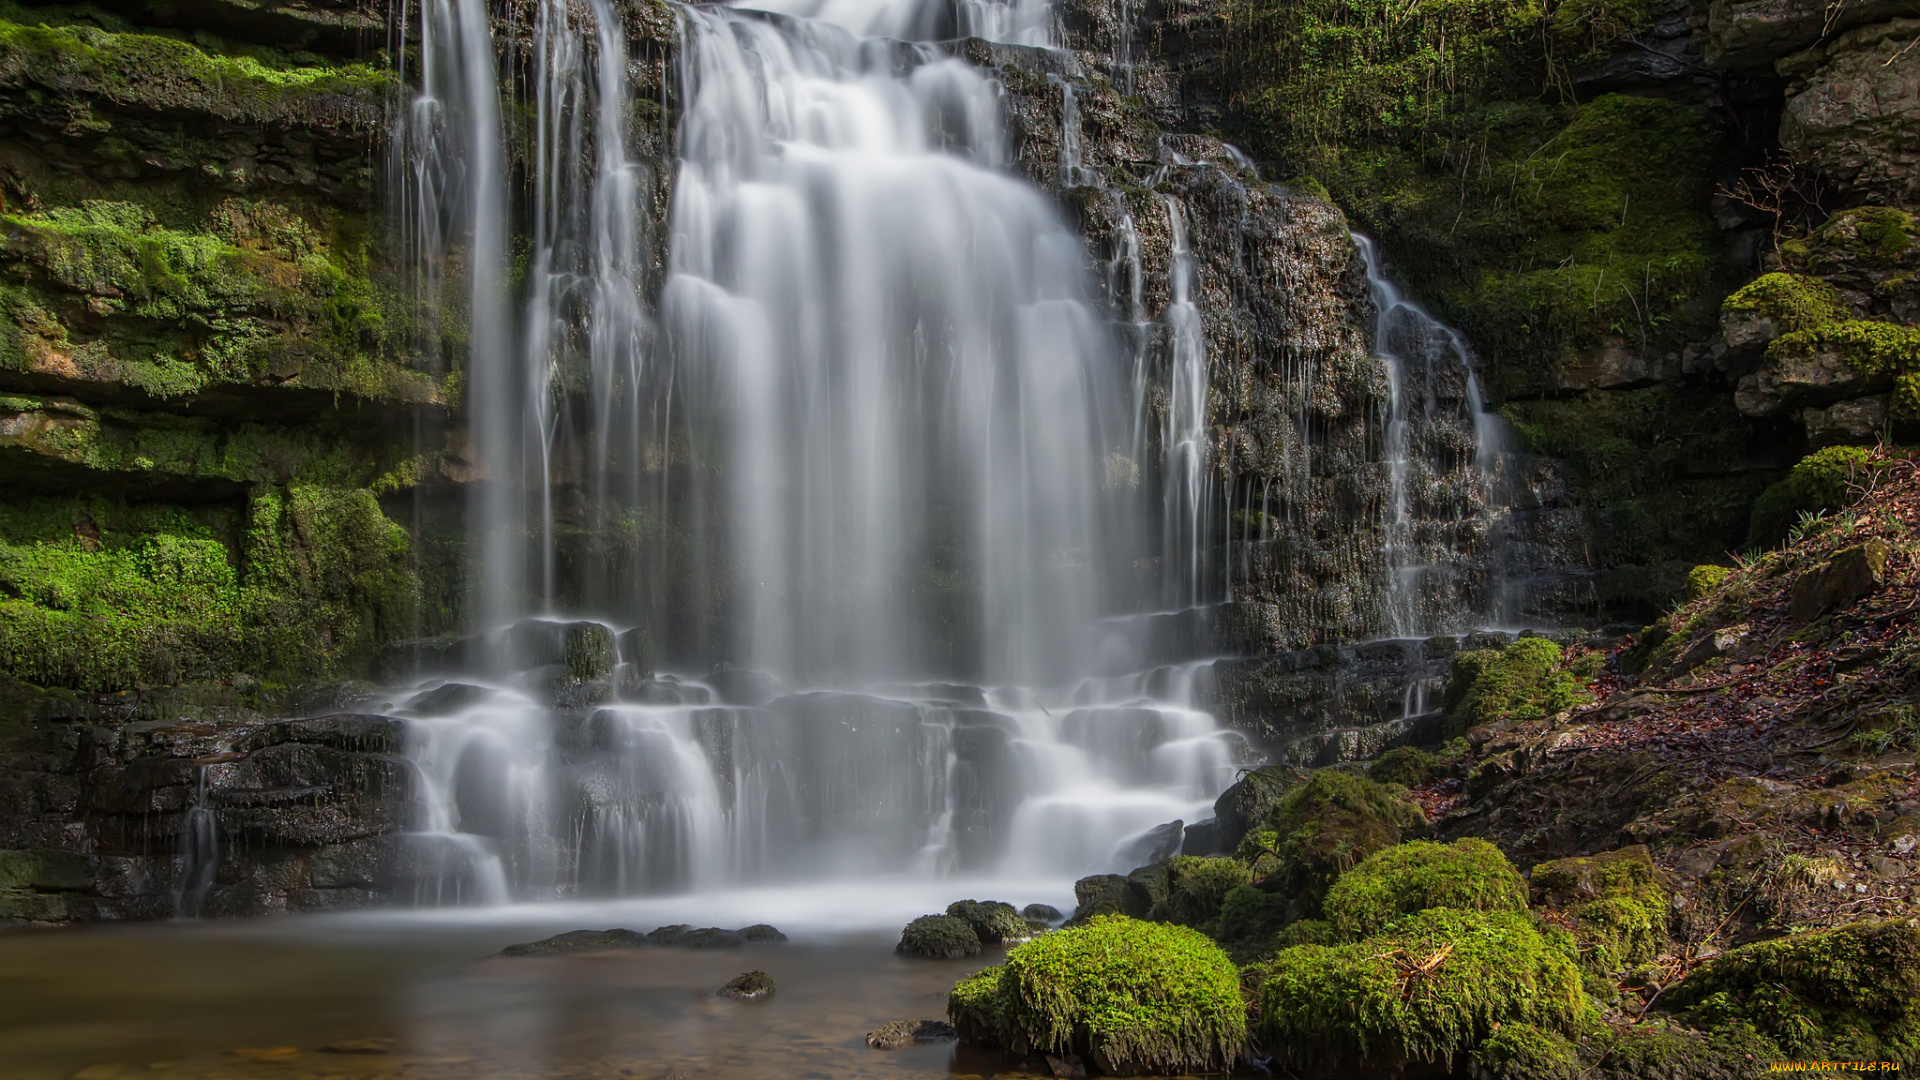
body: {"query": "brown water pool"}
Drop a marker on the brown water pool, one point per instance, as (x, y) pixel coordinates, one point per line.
(298, 999)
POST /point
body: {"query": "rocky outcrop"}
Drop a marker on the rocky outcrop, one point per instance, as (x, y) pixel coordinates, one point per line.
(1745, 34)
(1853, 112)
(191, 802)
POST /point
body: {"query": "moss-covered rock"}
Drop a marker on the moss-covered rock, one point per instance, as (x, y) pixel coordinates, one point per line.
(1133, 997)
(939, 937)
(1469, 875)
(1432, 988)
(1408, 766)
(1705, 578)
(1851, 992)
(1824, 480)
(1614, 904)
(1197, 887)
(1525, 1052)
(1524, 681)
(993, 922)
(1324, 827)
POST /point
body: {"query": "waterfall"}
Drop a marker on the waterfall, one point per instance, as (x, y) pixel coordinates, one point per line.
(1442, 448)
(1188, 479)
(845, 504)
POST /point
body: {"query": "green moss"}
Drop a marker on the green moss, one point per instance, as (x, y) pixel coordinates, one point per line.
(1469, 874)
(942, 937)
(167, 74)
(1196, 888)
(257, 297)
(1250, 920)
(979, 1007)
(1524, 681)
(96, 595)
(1328, 824)
(1526, 1052)
(1866, 237)
(1705, 578)
(1408, 766)
(1823, 480)
(1792, 302)
(1877, 349)
(1431, 988)
(1852, 991)
(993, 921)
(1132, 996)
(1613, 903)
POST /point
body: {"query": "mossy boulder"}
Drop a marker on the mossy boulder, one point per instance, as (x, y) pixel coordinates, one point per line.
(1824, 480)
(1851, 992)
(993, 922)
(1408, 766)
(1246, 803)
(1431, 988)
(1469, 875)
(1251, 918)
(1197, 886)
(1106, 894)
(1132, 997)
(1526, 1052)
(1324, 827)
(939, 937)
(1613, 903)
(1526, 680)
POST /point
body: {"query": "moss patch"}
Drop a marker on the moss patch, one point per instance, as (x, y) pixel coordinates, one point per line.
(1822, 481)
(1197, 887)
(1850, 992)
(1524, 681)
(1325, 826)
(1431, 988)
(1613, 903)
(1469, 874)
(940, 937)
(1132, 996)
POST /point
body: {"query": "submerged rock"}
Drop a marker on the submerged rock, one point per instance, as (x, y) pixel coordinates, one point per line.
(679, 935)
(579, 941)
(895, 1034)
(748, 986)
(939, 937)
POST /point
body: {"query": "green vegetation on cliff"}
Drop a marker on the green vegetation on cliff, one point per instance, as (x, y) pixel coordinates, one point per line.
(104, 595)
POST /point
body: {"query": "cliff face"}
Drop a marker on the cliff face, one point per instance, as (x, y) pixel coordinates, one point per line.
(1579, 186)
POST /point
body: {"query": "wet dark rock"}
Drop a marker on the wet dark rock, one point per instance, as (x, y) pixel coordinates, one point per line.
(895, 1034)
(938, 937)
(574, 941)
(664, 690)
(748, 986)
(1154, 845)
(1279, 700)
(1042, 913)
(1245, 804)
(448, 698)
(1203, 838)
(1105, 894)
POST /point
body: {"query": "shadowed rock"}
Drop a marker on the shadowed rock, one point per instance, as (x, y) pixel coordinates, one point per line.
(750, 986)
(896, 1034)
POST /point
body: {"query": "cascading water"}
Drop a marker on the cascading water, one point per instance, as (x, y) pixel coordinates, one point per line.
(869, 451)
(1443, 448)
(1185, 438)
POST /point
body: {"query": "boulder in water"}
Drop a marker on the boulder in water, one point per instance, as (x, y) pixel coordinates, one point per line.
(993, 922)
(748, 986)
(939, 937)
(1042, 913)
(895, 1034)
(578, 941)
